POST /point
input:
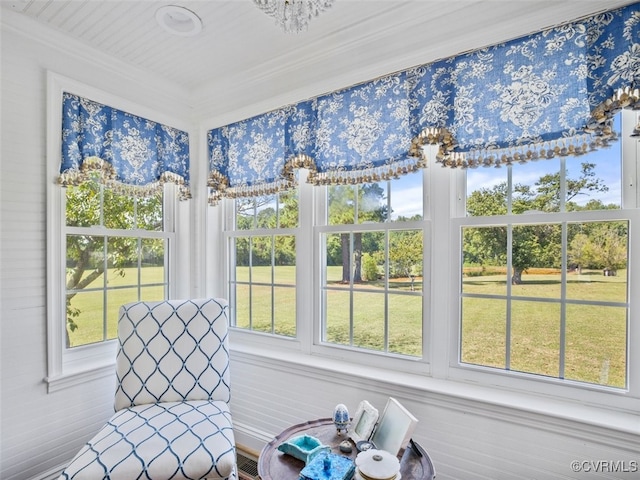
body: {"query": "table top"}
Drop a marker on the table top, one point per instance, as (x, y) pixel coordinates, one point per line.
(415, 463)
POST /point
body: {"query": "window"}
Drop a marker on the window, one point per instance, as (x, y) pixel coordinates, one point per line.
(262, 246)
(116, 253)
(104, 246)
(544, 280)
(514, 277)
(372, 268)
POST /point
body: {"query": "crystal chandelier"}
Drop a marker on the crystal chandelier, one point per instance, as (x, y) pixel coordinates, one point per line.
(293, 15)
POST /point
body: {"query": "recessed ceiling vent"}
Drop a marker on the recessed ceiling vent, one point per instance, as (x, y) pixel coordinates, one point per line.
(178, 20)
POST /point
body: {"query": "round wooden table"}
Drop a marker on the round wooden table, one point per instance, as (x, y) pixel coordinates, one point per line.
(415, 463)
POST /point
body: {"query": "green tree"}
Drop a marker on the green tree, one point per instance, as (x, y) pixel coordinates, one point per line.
(532, 245)
(603, 247)
(405, 253)
(369, 268)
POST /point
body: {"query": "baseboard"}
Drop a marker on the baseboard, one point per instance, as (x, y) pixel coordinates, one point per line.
(251, 439)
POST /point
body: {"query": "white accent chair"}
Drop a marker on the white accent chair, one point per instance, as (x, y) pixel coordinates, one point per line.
(172, 418)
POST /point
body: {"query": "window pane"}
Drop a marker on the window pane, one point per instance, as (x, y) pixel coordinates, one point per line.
(594, 179)
(122, 261)
(486, 191)
(536, 187)
(597, 259)
(85, 271)
(368, 320)
(261, 303)
(85, 261)
(596, 340)
(284, 300)
(341, 202)
(288, 209)
(119, 210)
(484, 260)
(536, 259)
(285, 259)
(267, 211)
(115, 299)
(337, 317)
(372, 202)
(152, 261)
(484, 332)
(261, 259)
(405, 325)
(149, 213)
(83, 205)
(242, 250)
(242, 305)
(85, 311)
(406, 197)
(245, 213)
(335, 244)
(535, 337)
(265, 263)
(405, 259)
(368, 258)
(152, 294)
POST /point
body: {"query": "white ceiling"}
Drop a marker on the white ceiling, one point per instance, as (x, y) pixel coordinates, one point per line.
(241, 57)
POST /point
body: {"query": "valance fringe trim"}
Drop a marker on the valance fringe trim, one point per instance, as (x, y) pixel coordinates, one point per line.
(101, 171)
(219, 185)
(598, 133)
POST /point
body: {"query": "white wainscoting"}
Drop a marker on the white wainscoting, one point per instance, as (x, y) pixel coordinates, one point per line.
(466, 438)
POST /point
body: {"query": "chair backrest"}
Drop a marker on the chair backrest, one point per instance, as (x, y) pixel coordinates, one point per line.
(172, 351)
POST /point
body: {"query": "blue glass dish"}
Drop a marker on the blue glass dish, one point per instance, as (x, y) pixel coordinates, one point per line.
(303, 447)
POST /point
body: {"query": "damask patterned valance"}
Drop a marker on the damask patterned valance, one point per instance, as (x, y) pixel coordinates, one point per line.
(124, 151)
(553, 93)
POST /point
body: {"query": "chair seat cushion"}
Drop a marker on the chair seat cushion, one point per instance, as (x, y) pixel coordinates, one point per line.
(171, 440)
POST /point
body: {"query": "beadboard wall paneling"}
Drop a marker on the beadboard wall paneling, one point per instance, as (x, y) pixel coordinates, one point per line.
(465, 439)
(41, 431)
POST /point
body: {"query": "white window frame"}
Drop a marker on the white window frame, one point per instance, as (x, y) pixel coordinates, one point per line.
(624, 399)
(67, 367)
(231, 234)
(439, 370)
(354, 353)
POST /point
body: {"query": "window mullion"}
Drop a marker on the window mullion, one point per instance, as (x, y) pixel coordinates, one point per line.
(508, 304)
(563, 298)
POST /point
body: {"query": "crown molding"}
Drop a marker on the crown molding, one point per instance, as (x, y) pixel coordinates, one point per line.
(48, 37)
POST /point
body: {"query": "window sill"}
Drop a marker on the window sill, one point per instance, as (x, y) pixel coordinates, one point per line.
(68, 380)
(528, 408)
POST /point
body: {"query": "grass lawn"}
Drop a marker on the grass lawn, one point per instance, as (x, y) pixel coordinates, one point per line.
(94, 324)
(595, 336)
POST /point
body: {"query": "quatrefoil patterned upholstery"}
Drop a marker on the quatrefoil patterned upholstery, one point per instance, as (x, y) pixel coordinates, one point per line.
(172, 417)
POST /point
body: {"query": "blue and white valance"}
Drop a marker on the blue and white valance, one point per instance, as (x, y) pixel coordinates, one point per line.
(553, 93)
(124, 151)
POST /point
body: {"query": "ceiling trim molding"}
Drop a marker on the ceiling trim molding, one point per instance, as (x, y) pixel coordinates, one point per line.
(49, 37)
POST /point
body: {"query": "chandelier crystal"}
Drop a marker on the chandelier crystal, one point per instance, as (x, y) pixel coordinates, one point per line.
(293, 15)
